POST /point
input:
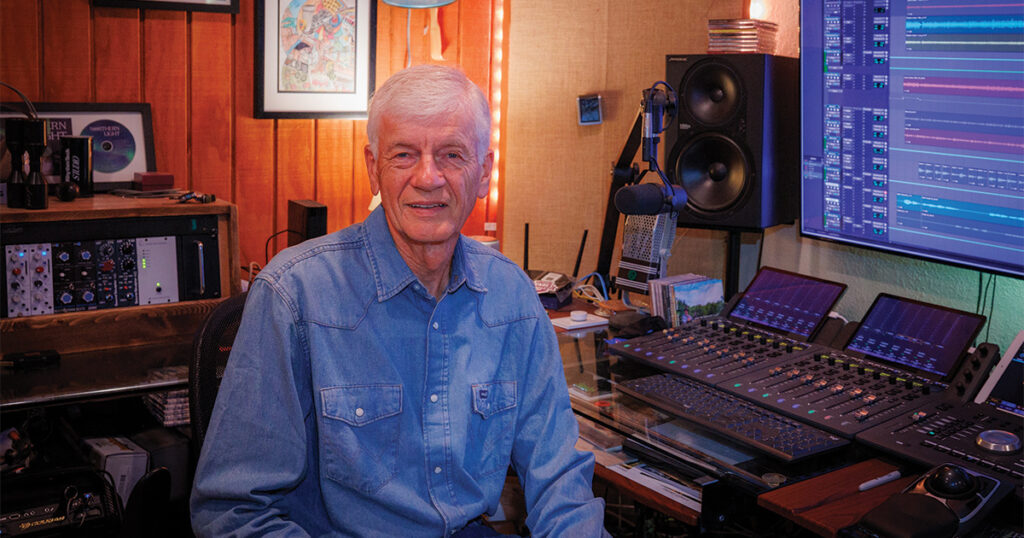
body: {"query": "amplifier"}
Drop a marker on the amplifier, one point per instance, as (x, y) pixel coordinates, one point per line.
(54, 267)
(55, 503)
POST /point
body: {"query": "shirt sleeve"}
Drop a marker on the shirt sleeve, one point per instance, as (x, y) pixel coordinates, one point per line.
(556, 477)
(254, 463)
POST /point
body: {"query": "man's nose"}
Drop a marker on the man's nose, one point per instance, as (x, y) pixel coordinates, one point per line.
(427, 174)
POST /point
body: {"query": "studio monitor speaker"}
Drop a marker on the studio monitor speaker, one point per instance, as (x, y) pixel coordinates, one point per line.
(306, 219)
(734, 145)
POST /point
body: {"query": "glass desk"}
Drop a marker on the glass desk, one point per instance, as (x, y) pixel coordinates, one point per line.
(711, 469)
(96, 375)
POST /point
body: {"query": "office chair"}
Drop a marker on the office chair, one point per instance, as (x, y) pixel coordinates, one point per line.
(210, 351)
(146, 512)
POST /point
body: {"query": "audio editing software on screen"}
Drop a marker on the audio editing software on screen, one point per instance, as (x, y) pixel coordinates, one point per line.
(913, 128)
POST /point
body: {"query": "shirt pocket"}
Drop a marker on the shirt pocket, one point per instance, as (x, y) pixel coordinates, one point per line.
(359, 434)
(491, 427)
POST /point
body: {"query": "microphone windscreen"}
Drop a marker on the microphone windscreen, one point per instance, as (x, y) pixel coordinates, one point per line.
(642, 199)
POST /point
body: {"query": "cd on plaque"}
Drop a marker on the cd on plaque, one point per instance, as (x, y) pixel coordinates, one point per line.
(113, 146)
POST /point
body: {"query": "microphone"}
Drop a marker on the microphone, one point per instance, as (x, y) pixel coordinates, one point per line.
(650, 199)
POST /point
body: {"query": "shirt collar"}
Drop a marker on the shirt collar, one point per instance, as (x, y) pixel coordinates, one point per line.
(392, 274)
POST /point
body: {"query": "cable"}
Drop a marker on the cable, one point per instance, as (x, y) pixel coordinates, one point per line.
(266, 247)
(32, 114)
(604, 289)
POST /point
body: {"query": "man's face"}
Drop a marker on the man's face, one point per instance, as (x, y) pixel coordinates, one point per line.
(428, 176)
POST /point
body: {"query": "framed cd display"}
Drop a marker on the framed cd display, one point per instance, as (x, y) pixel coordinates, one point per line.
(122, 138)
(314, 58)
(224, 6)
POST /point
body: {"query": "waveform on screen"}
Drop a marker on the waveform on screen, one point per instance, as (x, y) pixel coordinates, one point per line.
(965, 25)
(997, 88)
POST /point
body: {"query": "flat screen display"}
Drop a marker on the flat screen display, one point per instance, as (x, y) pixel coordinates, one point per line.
(913, 128)
(787, 302)
(924, 338)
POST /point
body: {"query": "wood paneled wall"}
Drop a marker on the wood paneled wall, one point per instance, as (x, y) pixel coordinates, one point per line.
(196, 71)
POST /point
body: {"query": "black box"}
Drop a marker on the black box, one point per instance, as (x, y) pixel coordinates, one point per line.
(306, 219)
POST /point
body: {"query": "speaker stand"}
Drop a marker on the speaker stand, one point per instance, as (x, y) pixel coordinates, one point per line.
(732, 264)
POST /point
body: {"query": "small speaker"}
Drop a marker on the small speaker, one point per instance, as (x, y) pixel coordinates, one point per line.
(734, 145)
(306, 219)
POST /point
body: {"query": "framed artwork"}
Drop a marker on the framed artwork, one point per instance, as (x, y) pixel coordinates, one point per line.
(224, 6)
(314, 58)
(122, 138)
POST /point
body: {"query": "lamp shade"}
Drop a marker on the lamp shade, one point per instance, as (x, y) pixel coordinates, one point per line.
(418, 3)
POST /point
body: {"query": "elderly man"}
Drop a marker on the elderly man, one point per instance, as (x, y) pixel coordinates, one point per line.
(385, 376)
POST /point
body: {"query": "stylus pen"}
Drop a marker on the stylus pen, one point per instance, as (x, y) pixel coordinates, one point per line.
(875, 482)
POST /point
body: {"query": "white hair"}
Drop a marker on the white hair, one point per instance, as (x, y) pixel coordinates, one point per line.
(426, 92)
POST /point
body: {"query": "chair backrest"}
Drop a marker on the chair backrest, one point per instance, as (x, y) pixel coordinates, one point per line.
(211, 348)
(147, 507)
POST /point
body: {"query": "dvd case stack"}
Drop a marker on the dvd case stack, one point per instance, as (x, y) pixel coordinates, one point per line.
(681, 298)
(730, 36)
(171, 407)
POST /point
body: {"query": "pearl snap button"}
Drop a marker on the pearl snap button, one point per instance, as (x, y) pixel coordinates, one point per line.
(436, 325)
(359, 411)
(433, 398)
(437, 470)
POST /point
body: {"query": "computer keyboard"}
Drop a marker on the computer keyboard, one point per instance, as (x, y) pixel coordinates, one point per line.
(764, 430)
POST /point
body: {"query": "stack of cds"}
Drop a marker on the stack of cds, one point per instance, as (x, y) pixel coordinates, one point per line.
(729, 36)
(681, 298)
(171, 407)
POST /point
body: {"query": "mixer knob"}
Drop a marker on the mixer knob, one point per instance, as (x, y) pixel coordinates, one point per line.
(908, 384)
(876, 374)
(837, 388)
(918, 416)
(860, 414)
(106, 250)
(831, 361)
(869, 399)
(63, 256)
(66, 298)
(819, 356)
(846, 366)
(821, 383)
(127, 248)
(856, 392)
(85, 255)
(88, 296)
(793, 373)
(807, 379)
(775, 371)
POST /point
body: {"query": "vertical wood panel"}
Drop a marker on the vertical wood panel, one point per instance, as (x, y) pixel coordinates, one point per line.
(165, 88)
(20, 54)
(118, 64)
(67, 45)
(335, 157)
(254, 147)
(474, 57)
(360, 180)
(295, 169)
(211, 104)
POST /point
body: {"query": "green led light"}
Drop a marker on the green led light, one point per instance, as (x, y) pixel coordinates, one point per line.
(671, 362)
(143, 263)
(737, 385)
(810, 411)
(765, 395)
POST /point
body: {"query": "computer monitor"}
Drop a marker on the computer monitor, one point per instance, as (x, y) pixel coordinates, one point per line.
(927, 339)
(1004, 387)
(913, 128)
(787, 302)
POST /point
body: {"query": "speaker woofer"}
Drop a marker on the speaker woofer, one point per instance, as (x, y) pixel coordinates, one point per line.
(714, 170)
(711, 92)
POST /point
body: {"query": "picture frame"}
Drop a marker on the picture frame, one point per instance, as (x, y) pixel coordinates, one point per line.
(314, 58)
(221, 6)
(122, 138)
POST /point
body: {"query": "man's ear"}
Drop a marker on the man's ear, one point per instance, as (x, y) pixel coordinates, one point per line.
(371, 170)
(485, 180)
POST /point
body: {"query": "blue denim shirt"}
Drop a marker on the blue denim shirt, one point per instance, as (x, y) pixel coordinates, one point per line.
(354, 404)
